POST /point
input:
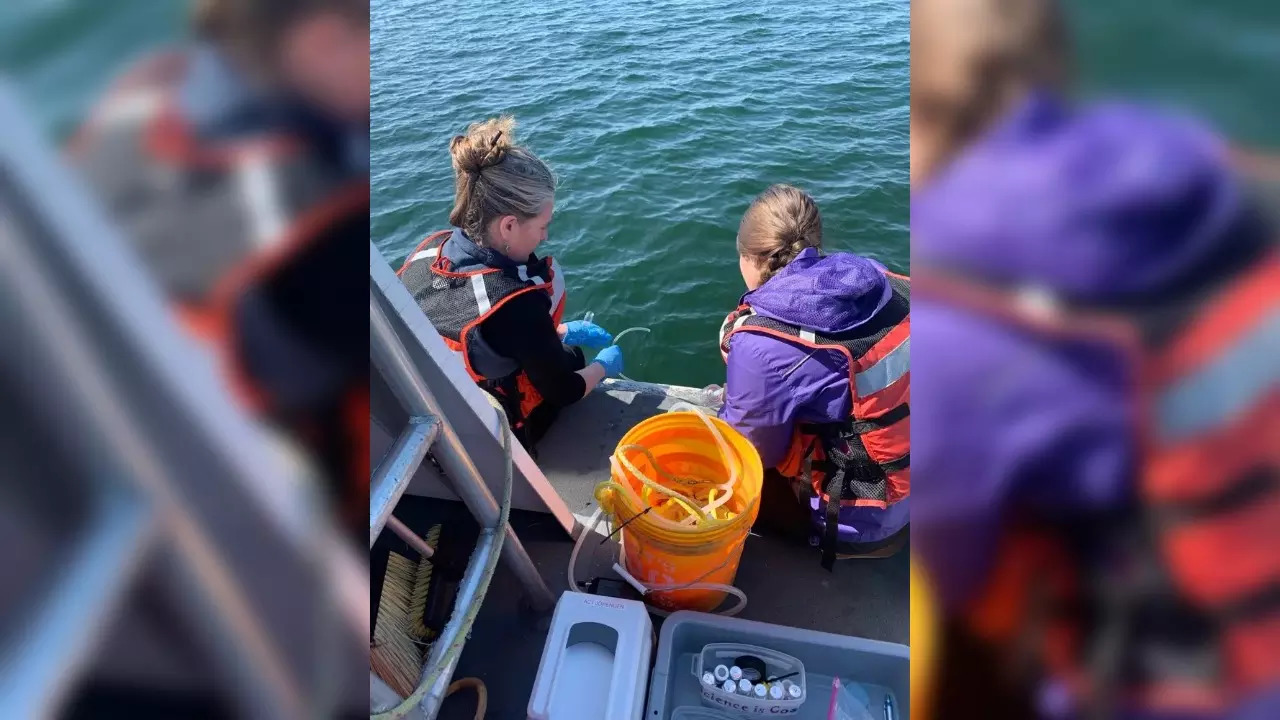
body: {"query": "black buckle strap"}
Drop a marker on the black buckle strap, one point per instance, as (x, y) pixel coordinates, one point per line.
(832, 435)
(849, 465)
(894, 466)
(831, 529)
(1263, 602)
(1252, 486)
(893, 417)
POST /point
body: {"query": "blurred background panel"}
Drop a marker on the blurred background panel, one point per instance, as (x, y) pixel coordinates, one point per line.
(1092, 202)
(1218, 60)
(169, 510)
(62, 53)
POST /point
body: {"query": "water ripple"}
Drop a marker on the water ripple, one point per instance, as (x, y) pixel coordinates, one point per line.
(662, 121)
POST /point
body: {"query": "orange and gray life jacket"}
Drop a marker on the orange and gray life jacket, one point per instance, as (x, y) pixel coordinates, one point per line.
(1208, 401)
(231, 229)
(457, 302)
(864, 460)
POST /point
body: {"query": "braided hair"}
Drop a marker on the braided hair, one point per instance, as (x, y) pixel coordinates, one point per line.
(780, 223)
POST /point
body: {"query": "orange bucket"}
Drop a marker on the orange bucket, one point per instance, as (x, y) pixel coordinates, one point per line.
(657, 547)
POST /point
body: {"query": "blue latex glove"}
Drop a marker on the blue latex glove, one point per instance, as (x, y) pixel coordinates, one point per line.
(611, 359)
(589, 334)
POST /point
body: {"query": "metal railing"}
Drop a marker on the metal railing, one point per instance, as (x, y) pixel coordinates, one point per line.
(429, 430)
(177, 479)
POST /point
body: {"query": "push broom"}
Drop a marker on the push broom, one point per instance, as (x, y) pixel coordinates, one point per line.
(400, 630)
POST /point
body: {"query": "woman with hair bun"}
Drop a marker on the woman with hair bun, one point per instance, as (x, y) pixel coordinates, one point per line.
(817, 379)
(496, 303)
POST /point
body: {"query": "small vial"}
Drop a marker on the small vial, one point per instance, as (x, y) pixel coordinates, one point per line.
(729, 686)
(735, 672)
(760, 691)
(777, 692)
(709, 678)
(793, 691)
(744, 685)
(722, 673)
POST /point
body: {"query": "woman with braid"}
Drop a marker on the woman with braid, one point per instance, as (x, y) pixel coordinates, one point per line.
(817, 379)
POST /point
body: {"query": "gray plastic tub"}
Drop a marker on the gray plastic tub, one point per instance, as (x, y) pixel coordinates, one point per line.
(699, 713)
(824, 656)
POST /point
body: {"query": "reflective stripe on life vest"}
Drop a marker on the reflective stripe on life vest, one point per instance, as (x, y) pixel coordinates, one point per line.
(425, 254)
(457, 303)
(1223, 388)
(1212, 471)
(886, 371)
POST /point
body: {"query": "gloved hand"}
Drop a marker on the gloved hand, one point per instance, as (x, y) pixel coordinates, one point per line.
(611, 359)
(714, 395)
(581, 332)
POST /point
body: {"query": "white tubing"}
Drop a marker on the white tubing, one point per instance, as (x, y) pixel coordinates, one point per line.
(635, 499)
(577, 546)
(725, 454)
(631, 579)
(714, 587)
(640, 586)
(618, 337)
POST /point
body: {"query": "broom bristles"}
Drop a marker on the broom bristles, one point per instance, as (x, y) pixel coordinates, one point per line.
(394, 655)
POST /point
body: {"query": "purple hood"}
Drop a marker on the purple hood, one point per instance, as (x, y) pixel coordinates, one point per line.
(830, 294)
(1099, 203)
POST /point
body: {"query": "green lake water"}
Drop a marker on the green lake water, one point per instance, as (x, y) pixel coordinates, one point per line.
(662, 120)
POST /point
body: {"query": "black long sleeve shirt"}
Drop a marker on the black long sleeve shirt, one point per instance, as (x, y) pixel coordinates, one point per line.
(523, 331)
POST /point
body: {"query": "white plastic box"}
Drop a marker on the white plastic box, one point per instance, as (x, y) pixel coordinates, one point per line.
(595, 665)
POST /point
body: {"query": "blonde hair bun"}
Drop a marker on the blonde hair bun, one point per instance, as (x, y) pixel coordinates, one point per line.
(484, 145)
(495, 177)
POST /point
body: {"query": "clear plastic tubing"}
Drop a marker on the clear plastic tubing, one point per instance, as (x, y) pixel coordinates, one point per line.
(618, 337)
(727, 487)
(645, 589)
